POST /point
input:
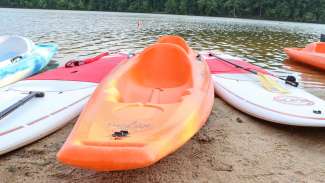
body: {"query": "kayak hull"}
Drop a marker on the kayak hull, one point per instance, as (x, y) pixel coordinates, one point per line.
(127, 156)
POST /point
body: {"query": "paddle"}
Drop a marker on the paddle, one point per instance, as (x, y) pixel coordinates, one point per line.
(21, 102)
(290, 80)
(270, 84)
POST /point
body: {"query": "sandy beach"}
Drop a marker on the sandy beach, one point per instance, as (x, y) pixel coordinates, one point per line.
(231, 147)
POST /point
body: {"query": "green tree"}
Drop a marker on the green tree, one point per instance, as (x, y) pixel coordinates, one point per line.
(295, 10)
(171, 6)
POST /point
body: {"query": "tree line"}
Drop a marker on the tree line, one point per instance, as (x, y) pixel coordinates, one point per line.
(292, 10)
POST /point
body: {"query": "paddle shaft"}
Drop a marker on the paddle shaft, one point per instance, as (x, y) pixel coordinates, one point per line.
(292, 83)
(21, 102)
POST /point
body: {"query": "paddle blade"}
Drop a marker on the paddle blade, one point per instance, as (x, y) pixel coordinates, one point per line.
(270, 84)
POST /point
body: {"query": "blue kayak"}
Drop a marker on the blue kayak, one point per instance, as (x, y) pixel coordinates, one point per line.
(27, 64)
(13, 48)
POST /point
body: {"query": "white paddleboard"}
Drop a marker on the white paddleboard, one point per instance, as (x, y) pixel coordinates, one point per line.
(244, 91)
(62, 102)
(66, 91)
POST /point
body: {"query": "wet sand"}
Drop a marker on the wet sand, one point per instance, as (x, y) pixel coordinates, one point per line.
(232, 147)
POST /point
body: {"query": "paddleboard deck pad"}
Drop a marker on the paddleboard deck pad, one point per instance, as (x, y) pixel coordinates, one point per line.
(66, 90)
(244, 91)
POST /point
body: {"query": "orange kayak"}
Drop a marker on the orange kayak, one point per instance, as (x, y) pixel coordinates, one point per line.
(313, 54)
(143, 111)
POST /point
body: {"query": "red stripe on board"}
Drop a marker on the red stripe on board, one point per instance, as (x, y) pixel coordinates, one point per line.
(78, 101)
(38, 120)
(11, 130)
(53, 113)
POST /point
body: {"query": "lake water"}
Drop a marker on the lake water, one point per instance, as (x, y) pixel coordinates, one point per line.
(82, 34)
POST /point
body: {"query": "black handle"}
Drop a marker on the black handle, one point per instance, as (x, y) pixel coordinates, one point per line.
(16, 59)
(21, 102)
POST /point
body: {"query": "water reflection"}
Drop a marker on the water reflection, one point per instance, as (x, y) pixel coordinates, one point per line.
(82, 34)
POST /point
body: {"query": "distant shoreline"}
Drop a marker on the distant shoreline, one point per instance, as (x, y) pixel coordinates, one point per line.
(165, 13)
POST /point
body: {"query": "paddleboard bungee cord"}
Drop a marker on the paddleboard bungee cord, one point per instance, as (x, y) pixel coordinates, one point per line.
(290, 80)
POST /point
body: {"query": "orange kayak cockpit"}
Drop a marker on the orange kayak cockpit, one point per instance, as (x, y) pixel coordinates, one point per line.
(161, 74)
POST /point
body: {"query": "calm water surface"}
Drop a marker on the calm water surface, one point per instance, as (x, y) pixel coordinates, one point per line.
(83, 34)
